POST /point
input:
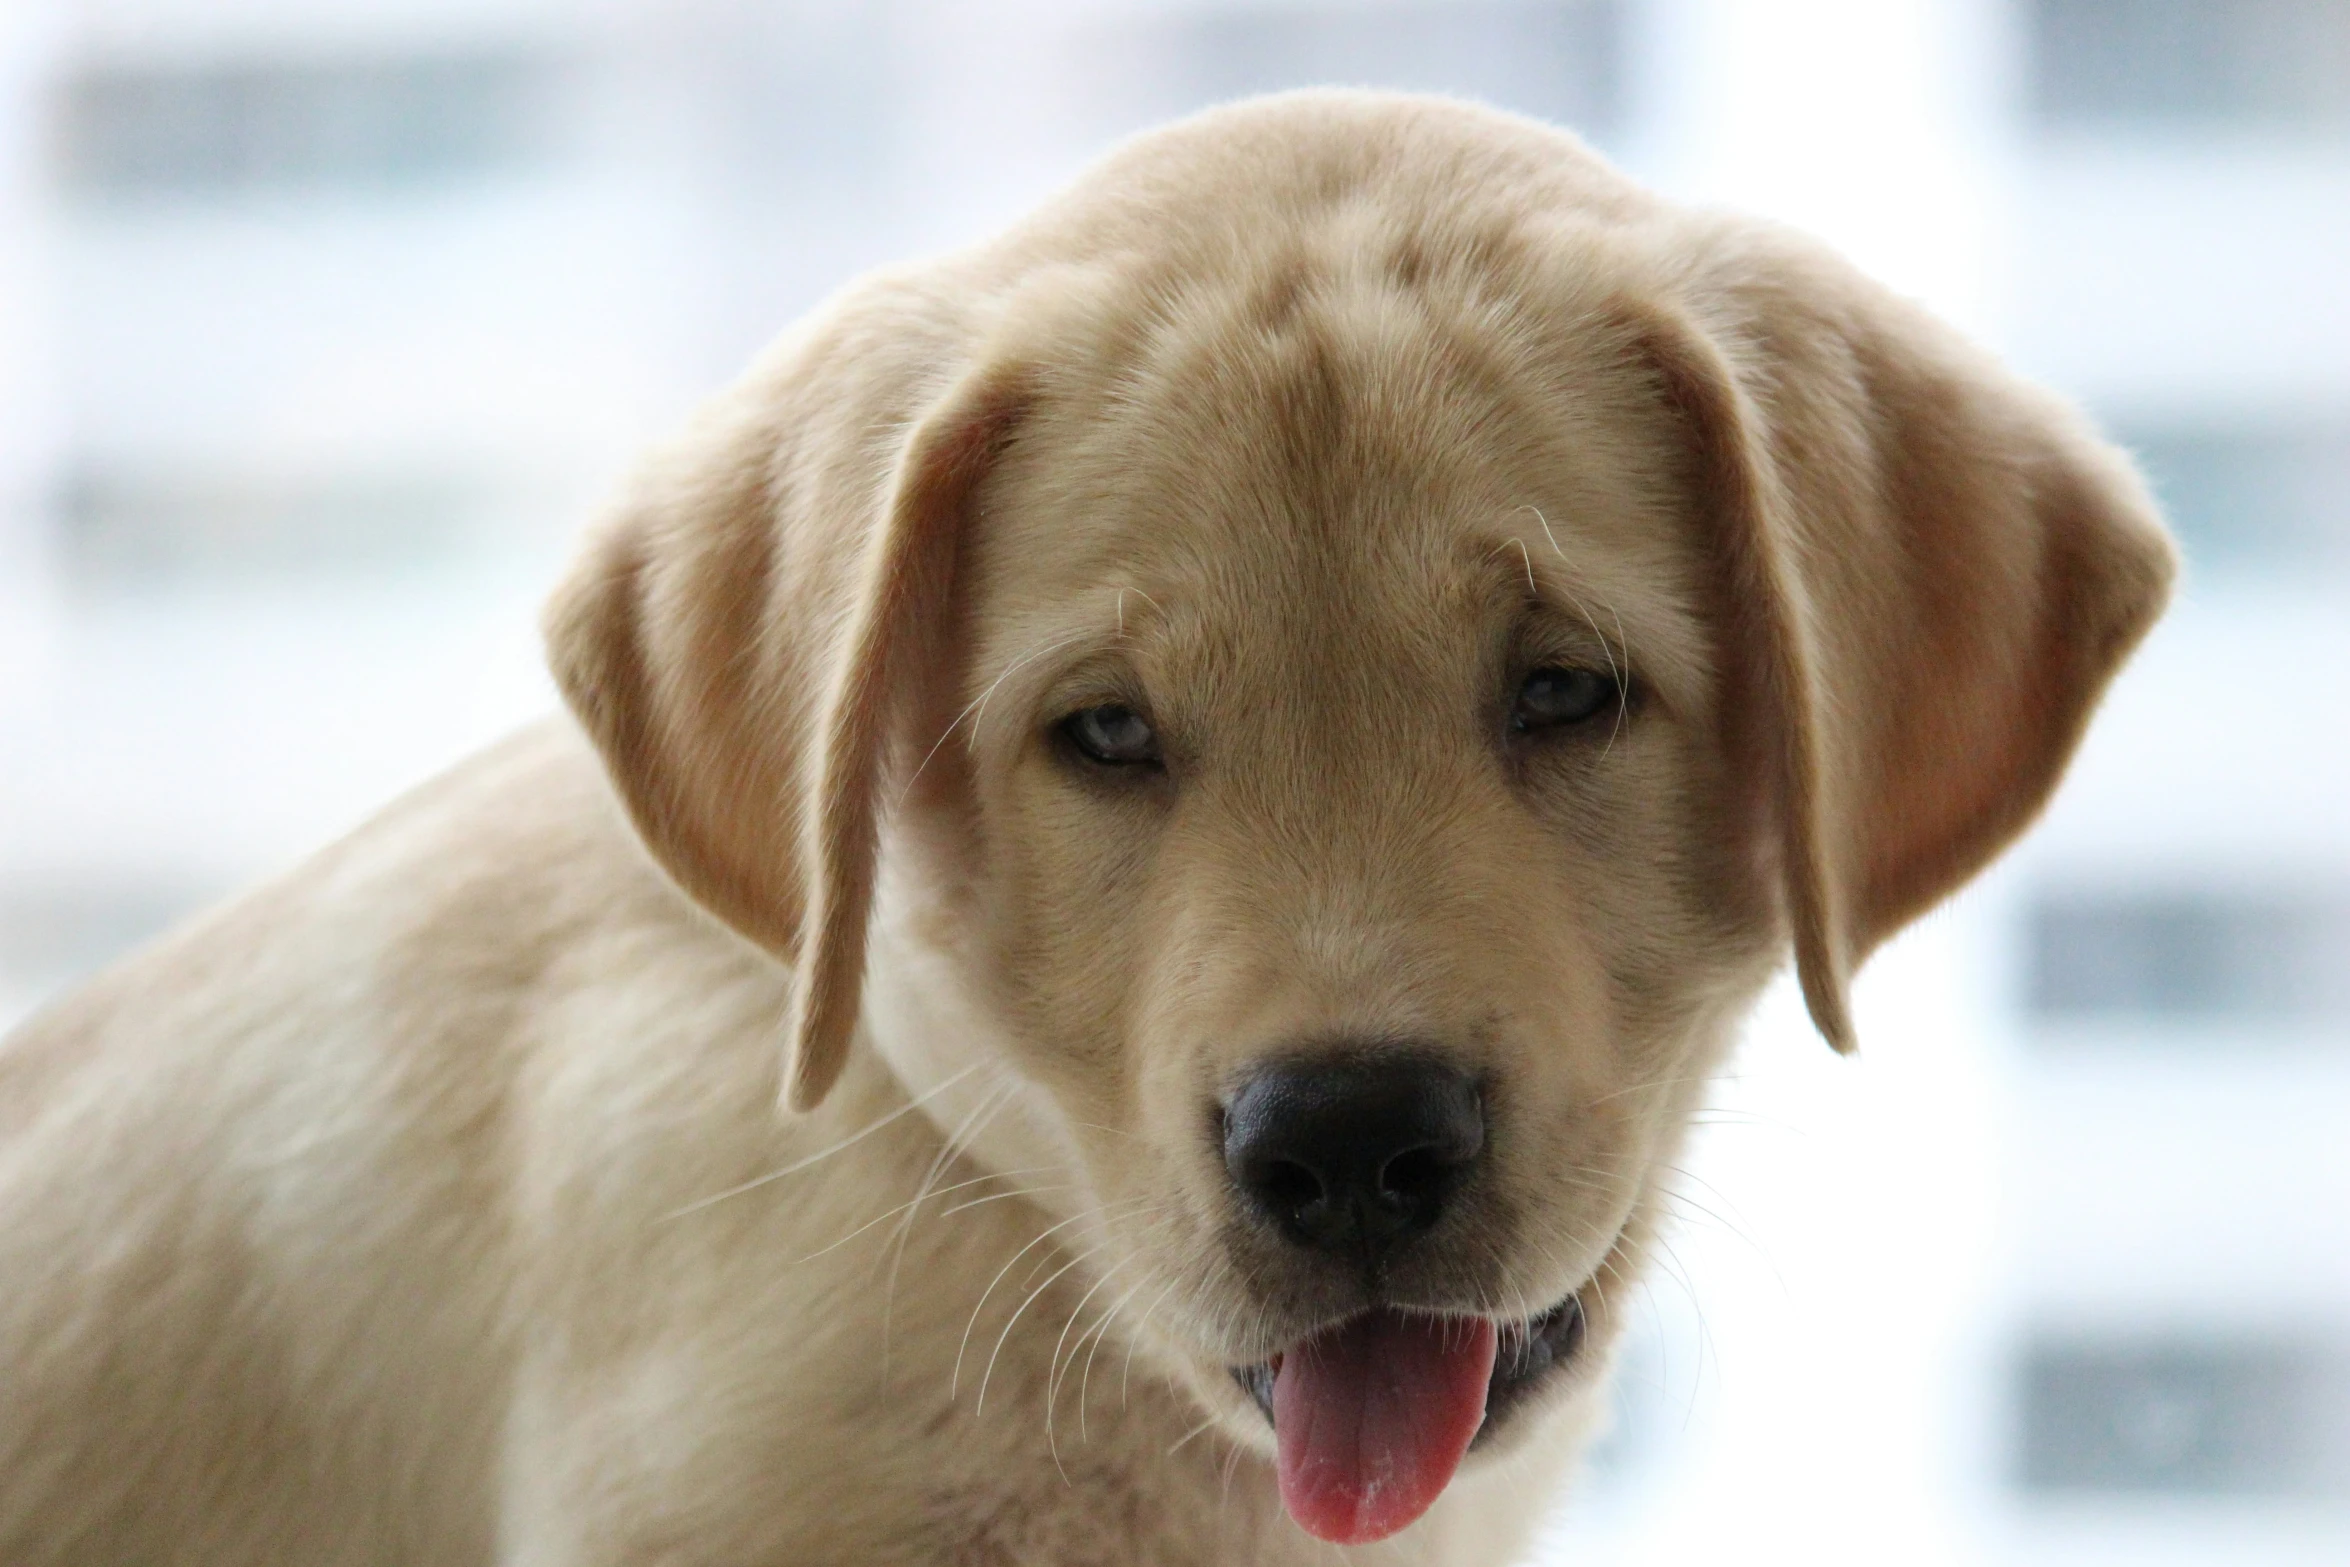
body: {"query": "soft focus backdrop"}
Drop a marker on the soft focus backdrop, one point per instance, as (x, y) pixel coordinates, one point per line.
(325, 323)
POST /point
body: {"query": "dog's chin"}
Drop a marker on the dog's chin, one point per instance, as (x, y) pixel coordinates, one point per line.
(1533, 1356)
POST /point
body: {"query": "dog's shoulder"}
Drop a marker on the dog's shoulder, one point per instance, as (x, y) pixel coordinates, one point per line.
(259, 1182)
(445, 912)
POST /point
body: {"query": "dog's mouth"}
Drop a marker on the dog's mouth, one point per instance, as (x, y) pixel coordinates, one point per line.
(1373, 1415)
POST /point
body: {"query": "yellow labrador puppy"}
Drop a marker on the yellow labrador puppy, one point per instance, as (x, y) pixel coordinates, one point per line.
(1233, 758)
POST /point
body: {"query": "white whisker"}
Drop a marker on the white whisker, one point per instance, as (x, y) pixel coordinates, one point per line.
(797, 1165)
(1185, 1439)
(978, 705)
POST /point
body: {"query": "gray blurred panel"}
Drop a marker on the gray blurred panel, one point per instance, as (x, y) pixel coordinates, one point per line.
(239, 126)
(2213, 1416)
(2253, 497)
(2199, 954)
(1558, 60)
(2191, 63)
(153, 524)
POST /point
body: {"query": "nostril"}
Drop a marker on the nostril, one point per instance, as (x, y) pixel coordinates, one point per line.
(1288, 1186)
(1417, 1175)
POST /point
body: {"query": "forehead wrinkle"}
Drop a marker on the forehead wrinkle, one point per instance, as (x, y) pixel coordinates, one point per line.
(1277, 583)
(1328, 335)
(1325, 455)
(1301, 442)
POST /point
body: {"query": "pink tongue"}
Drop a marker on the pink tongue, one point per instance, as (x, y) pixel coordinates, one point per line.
(1372, 1418)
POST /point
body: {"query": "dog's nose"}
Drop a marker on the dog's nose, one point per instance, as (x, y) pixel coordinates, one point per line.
(1352, 1154)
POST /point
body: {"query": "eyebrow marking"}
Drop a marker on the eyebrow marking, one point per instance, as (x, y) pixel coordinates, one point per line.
(1622, 677)
(1122, 590)
(1532, 591)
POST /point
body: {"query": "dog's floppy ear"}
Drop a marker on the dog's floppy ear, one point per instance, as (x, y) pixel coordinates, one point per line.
(1925, 572)
(739, 634)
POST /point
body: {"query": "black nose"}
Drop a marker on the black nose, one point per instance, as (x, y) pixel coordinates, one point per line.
(1351, 1154)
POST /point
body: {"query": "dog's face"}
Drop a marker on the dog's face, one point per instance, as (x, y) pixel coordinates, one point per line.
(1356, 699)
(1334, 723)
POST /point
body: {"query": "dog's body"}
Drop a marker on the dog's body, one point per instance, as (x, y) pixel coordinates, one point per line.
(1354, 588)
(379, 1260)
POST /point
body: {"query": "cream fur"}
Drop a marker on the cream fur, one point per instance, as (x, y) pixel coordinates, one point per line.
(433, 1204)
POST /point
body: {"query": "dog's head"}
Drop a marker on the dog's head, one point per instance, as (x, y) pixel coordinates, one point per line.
(1335, 660)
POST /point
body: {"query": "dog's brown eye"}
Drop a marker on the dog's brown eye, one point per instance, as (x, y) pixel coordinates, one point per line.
(1112, 735)
(1552, 698)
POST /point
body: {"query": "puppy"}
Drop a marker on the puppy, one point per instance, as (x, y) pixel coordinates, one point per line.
(1232, 757)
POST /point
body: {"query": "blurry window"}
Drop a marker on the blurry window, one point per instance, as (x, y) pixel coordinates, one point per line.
(2210, 1416)
(2253, 498)
(229, 129)
(2204, 954)
(1559, 60)
(2158, 62)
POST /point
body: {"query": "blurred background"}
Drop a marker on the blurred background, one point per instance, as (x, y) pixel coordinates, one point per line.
(324, 324)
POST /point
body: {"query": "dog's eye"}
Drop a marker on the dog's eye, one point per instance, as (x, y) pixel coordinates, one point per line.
(1553, 698)
(1112, 735)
